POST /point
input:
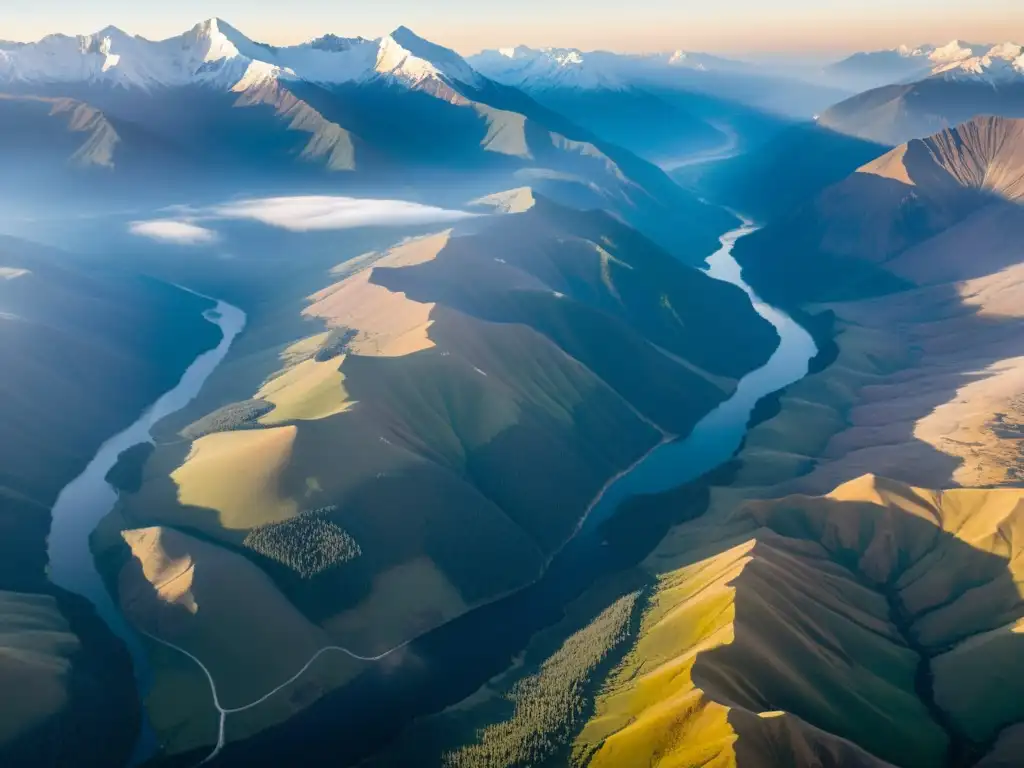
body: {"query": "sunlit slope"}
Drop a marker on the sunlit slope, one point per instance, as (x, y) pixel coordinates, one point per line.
(470, 383)
(457, 404)
(877, 616)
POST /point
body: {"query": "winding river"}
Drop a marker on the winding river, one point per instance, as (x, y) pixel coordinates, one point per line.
(717, 436)
(450, 663)
(88, 498)
(443, 667)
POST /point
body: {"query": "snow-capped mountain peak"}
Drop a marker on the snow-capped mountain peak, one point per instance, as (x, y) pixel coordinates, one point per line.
(207, 41)
(956, 60)
(425, 55)
(215, 53)
(991, 64)
(546, 68)
(908, 52)
(952, 52)
(212, 51)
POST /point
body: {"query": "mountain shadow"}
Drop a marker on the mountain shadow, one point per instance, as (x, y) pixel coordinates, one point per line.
(909, 218)
(877, 625)
(791, 168)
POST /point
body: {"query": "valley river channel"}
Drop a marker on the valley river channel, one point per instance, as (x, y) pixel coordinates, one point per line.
(84, 502)
(450, 663)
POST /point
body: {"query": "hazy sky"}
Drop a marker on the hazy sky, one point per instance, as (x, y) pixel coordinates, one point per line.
(732, 26)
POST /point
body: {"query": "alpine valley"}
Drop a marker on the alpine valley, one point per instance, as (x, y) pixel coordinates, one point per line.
(366, 404)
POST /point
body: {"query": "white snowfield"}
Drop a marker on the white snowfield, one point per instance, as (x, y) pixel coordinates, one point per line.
(995, 63)
(546, 68)
(960, 60)
(215, 53)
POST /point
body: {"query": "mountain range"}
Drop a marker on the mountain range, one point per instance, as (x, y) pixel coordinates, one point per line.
(386, 401)
(660, 105)
(522, 453)
(956, 59)
(335, 113)
(803, 610)
(918, 208)
(955, 83)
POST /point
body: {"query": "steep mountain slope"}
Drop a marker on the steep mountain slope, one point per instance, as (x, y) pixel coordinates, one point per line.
(962, 82)
(898, 113)
(211, 110)
(426, 440)
(958, 83)
(904, 219)
(861, 628)
(76, 346)
(804, 611)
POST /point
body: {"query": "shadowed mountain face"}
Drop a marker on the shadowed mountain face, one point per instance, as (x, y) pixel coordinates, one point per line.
(76, 344)
(77, 348)
(895, 114)
(874, 69)
(788, 170)
(934, 210)
(477, 387)
(798, 164)
(809, 613)
(863, 628)
(652, 126)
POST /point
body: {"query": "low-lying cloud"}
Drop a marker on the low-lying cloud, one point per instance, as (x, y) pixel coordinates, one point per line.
(173, 231)
(304, 213)
(323, 212)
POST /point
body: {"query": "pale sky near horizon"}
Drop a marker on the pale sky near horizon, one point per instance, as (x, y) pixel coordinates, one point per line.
(727, 26)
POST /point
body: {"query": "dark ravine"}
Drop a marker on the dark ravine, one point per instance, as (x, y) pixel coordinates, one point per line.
(450, 663)
(962, 752)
